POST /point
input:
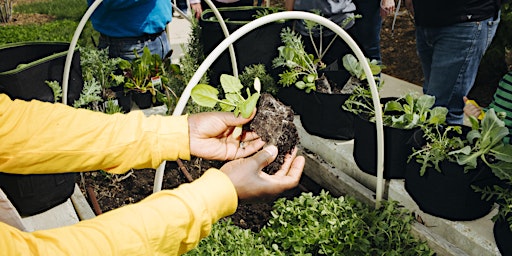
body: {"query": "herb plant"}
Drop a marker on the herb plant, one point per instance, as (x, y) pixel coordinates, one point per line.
(410, 111)
(320, 225)
(302, 67)
(139, 74)
(208, 96)
(484, 142)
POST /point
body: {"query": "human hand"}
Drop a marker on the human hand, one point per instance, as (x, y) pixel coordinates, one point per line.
(471, 109)
(387, 7)
(211, 136)
(197, 10)
(252, 184)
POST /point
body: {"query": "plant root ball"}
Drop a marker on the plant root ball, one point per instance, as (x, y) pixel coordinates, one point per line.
(274, 124)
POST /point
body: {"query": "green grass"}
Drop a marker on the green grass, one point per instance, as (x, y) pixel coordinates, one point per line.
(61, 9)
(67, 13)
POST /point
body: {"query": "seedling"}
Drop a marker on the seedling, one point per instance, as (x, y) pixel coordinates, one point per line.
(208, 96)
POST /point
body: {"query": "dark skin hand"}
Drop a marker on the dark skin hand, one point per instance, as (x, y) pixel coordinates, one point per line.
(252, 184)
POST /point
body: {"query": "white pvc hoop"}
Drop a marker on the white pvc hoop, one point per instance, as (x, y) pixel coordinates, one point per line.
(284, 16)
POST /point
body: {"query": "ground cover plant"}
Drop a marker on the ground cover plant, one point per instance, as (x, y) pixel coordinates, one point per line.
(320, 225)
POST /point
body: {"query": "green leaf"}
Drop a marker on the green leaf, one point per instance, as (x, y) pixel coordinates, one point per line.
(438, 115)
(124, 64)
(247, 107)
(230, 84)
(205, 95)
(393, 106)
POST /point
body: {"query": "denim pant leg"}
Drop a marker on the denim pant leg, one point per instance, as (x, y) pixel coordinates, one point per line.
(126, 48)
(450, 57)
(366, 30)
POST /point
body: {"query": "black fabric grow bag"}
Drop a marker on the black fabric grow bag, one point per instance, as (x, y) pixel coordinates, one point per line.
(23, 71)
(321, 114)
(256, 47)
(449, 194)
(503, 236)
(396, 148)
(26, 66)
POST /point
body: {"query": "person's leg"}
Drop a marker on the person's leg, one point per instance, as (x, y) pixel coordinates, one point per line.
(454, 57)
(366, 30)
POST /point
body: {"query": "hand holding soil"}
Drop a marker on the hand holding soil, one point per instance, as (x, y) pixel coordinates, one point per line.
(251, 184)
(274, 124)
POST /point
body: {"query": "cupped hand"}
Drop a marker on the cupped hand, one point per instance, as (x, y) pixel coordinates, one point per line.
(252, 184)
(211, 136)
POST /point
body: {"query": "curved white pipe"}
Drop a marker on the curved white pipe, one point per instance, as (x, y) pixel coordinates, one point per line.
(226, 34)
(72, 45)
(322, 21)
(159, 174)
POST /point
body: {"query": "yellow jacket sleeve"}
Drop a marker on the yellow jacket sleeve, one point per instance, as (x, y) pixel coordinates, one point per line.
(169, 222)
(38, 137)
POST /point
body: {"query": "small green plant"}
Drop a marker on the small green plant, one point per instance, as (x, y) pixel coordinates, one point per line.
(502, 195)
(258, 70)
(483, 143)
(91, 94)
(320, 225)
(140, 73)
(302, 67)
(208, 96)
(56, 89)
(407, 112)
(354, 67)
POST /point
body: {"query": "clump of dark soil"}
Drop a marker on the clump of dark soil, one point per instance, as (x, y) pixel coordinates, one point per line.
(274, 124)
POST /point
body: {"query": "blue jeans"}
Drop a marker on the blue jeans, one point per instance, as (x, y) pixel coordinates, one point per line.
(124, 47)
(366, 30)
(450, 57)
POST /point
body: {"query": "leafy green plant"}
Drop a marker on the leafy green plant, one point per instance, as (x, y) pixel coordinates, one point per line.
(354, 67)
(302, 67)
(409, 111)
(56, 89)
(258, 70)
(138, 74)
(97, 65)
(502, 195)
(208, 96)
(320, 225)
(483, 143)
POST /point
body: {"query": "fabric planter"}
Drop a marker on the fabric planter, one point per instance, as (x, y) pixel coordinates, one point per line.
(124, 99)
(23, 71)
(26, 66)
(448, 194)
(321, 114)
(396, 148)
(256, 47)
(143, 100)
(503, 236)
